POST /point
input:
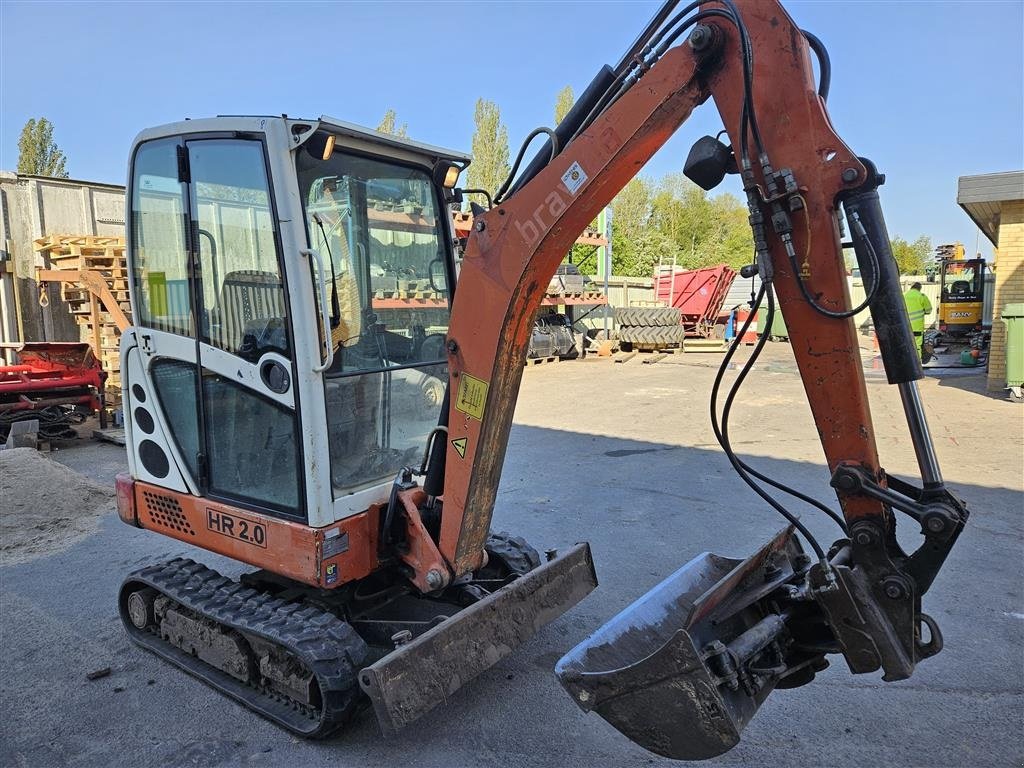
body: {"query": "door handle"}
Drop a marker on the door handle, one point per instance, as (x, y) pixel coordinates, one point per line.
(326, 355)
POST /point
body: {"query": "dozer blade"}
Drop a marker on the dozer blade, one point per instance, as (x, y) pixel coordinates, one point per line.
(413, 679)
(683, 669)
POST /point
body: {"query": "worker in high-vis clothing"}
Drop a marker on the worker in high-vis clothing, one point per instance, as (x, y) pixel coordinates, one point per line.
(918, 307)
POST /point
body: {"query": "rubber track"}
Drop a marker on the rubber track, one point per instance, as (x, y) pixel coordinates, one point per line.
(325, 644)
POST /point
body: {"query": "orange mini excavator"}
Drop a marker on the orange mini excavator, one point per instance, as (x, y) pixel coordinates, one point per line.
(309, 390)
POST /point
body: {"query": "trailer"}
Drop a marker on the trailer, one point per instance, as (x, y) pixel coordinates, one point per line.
(698, 295)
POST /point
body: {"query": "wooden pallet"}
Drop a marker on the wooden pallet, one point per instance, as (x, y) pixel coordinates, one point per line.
(531, 361)
(103, 256)
(705, 345)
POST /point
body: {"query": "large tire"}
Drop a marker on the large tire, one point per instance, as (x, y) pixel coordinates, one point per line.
(662, 336)
(647, 317)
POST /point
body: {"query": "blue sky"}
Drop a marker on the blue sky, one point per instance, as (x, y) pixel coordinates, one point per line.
(929, 90)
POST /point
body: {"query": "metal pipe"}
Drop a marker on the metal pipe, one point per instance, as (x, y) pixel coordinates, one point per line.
(758, 637)
(920, 435)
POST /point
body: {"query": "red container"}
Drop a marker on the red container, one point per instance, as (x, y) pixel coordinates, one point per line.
(698, 294)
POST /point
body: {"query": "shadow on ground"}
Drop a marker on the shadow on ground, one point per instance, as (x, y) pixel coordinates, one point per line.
(646, 508)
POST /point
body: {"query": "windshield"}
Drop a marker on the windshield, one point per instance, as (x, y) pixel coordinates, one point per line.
(961, 280)
(376, 224)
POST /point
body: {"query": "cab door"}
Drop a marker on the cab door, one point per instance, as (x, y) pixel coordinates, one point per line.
(214, 340)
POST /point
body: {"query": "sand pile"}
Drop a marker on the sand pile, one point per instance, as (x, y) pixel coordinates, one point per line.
(44, 506)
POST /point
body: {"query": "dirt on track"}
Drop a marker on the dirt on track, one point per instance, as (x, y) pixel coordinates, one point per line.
(44, 506)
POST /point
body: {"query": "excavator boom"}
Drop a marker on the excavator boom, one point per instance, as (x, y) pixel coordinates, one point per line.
(684, 669)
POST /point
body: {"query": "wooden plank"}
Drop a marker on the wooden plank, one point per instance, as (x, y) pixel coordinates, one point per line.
(111, 435)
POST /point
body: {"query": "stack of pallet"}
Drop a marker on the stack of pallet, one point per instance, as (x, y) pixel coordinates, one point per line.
(104, 257)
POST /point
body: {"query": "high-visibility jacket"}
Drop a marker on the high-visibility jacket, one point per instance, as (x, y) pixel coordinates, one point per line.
(917, 307)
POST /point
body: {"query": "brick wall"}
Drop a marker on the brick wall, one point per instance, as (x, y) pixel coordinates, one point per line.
(1009, 288)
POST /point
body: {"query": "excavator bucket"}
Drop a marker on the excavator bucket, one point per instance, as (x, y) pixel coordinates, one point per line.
(416, 677)
(683, 669)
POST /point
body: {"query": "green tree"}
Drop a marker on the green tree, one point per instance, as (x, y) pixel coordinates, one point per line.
(911, 258)
(490, 166)
(674, 219)
(38, 154)
(563, 103)
(631, 213)
(388, 125)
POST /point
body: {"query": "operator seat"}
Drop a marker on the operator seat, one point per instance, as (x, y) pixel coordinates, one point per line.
(246, 295)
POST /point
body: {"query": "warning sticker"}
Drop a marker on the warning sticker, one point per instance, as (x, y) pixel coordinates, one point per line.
(472, 397)
(574, 178)
(459, 444)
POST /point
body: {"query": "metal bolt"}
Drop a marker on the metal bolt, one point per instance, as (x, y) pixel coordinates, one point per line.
(584, 696)
(935, 524)
(701, 37)
(434, 579)
(846, 483)
(864, 538)
(480, 226)
(850, 175)
(894, 589)
(453, 346)
(401, 637)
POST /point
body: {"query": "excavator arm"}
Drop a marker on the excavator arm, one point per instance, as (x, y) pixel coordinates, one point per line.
(682, 670)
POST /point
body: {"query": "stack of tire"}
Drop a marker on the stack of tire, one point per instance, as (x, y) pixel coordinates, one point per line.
(649, 328)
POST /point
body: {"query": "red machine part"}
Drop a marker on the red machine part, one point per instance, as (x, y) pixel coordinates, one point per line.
(698, 294)
(52, 373)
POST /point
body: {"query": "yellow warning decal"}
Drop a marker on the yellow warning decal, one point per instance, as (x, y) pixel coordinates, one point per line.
(472, 397)
(459, 444)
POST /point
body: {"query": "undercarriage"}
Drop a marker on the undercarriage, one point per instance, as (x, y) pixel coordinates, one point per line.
(295, 654)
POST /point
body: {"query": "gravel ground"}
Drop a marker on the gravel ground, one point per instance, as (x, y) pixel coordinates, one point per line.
(46, 506)
(623, 456)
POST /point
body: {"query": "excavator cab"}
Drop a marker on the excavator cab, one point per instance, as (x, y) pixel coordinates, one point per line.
(291, 294)
(285, 379)
(961, 297)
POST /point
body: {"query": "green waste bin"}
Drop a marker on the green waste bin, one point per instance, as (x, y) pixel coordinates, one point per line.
(1013, 316)
(778, 330)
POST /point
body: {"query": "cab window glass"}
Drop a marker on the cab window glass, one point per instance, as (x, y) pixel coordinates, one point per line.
(159, 245)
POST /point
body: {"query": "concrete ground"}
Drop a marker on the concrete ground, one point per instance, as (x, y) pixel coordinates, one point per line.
(621, 455)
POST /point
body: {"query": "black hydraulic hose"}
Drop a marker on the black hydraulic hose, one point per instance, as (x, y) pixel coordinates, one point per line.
(824, 63)
(728, 407)
(628, 78)
(872, 257)
(656, 39)
(642, 40)
(595, 91)
(723, 434)
(553, 138)
(748, 74)
(486, 195)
